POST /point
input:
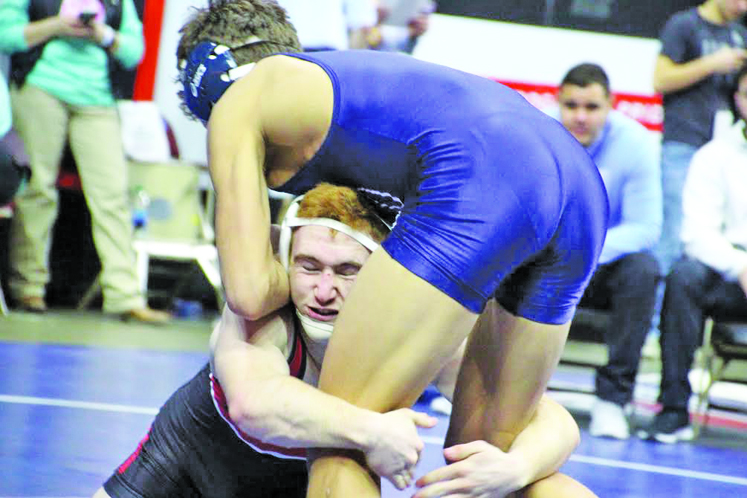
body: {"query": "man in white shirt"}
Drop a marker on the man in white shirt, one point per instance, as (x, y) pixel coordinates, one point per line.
(711, 277)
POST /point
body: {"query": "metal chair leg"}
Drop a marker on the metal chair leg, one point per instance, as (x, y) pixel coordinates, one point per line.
(3, 305)
(706, 377)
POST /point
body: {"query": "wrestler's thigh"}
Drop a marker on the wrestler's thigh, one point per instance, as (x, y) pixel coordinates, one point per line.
(507, 365)
(394, 334)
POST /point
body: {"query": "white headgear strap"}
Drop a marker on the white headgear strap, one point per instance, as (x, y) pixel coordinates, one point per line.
(291, 221)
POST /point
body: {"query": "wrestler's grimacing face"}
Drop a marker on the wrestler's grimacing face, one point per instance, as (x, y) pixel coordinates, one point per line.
(324, 266)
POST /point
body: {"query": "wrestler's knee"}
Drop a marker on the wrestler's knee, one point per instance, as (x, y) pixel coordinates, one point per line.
(556, 485)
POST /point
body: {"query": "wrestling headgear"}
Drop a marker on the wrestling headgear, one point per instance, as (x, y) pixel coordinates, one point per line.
(207, 73)
(319, 332)
(291, 221)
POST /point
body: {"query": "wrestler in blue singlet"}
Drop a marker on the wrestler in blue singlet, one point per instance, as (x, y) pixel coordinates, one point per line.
(497, 198)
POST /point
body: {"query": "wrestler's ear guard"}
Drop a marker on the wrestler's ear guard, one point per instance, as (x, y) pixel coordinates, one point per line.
(207, 73)
(286, 232)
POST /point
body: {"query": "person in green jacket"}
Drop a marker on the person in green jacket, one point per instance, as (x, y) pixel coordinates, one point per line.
(62, 57)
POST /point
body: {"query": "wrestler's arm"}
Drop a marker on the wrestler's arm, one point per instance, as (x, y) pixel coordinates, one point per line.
(255, 282)
(267, 403)
(537, 452)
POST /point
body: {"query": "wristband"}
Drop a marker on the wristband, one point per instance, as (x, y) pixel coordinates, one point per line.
(107, 37)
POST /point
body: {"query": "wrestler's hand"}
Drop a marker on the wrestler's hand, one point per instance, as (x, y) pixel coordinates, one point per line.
(395, 445)
(479, 470)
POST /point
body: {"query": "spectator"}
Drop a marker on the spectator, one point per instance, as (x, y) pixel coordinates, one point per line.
(61, 89)
(394, 35)
(701, 49)
(626, 279)
(331, 24)
(711, 277)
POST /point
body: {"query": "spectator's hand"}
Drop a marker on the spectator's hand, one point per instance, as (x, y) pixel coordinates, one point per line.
(419, 25)
(100, 32)
(728, 60)
(395, 445)
(479, 470)
(72, 27)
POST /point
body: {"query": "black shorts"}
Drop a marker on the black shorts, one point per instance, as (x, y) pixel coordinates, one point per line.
(190, 451)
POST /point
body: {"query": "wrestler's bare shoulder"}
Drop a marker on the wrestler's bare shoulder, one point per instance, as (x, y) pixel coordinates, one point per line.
(285, 67)
(276, 330)
(281, 76)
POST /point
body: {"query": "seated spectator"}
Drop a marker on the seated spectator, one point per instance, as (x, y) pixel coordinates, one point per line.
(395, 35)
(711, 276)
(625, 281)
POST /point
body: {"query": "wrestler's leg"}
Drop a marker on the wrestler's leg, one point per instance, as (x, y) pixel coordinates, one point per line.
(394, 334)
(506, 368)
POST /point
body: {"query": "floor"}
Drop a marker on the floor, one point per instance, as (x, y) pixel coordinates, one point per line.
(78, 390)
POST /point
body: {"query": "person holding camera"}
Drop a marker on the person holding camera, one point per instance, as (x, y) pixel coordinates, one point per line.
(62, 59)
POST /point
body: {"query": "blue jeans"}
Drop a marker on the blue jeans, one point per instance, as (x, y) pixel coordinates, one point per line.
(693, 290)
(627, 288)
(675, 161)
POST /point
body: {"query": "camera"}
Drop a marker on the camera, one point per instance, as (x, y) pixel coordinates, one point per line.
(86, 17)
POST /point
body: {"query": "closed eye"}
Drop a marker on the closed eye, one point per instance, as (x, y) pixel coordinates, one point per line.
(348, 269)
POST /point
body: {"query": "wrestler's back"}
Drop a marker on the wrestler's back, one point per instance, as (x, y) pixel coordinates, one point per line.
(393, 115)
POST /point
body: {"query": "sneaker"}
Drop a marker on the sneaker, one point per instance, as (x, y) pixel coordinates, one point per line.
(32, 304)
(669, 426)
(441, 405)
(608, 420)
(146, 315)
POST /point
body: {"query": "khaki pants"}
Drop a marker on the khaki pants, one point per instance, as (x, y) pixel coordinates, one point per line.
(45, 124)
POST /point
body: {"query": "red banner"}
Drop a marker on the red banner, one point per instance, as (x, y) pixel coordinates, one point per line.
(646, 109)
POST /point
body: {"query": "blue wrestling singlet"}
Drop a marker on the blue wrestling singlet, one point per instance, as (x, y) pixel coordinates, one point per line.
(496, 198)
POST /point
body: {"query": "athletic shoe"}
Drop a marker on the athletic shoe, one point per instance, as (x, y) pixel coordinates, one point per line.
(146, 315)
(608, 420)
(669, 426)
(441, 405)
(33, 304)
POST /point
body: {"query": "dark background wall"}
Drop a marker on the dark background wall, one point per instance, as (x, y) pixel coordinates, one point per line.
(643, 18)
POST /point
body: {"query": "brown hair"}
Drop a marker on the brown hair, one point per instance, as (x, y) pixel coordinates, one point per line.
(342, 204)
(233, 22)
(587, 74)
